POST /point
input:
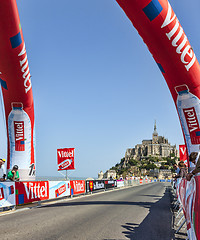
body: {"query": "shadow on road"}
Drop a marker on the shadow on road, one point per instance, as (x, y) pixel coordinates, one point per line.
(156, 226)
(142, 204)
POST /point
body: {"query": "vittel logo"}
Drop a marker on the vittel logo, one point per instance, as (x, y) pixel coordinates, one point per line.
(60, 190)
(183, 150)
(193, 125)
(79, 186)
(25, 69)
(191, 118)
(19, 135)
(66, 154)
(175, 34)
(36, 190)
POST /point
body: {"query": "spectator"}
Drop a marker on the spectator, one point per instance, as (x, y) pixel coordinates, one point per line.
(13, 175)
(121, 178)
(182, 170)
(176, 168)
(195, 159)
(2, 170)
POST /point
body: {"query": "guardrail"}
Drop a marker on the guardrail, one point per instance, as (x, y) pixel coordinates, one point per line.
(18, 193)
(188, 204)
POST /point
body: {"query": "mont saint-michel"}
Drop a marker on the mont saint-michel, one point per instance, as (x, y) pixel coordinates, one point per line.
(154, 157)
(158, 146)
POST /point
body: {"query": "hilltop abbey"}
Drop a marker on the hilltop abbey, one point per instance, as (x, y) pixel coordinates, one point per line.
(158, 146)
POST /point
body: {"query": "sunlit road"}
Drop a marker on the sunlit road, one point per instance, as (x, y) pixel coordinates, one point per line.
(141, 212)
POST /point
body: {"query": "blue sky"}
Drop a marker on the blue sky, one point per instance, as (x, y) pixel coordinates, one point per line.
(96, 87)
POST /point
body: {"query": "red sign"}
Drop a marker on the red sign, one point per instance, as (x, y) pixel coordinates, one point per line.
(78, 186)
(27, 192)
(65, 159)
(183, 154)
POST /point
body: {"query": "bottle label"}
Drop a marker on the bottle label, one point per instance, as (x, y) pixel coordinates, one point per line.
(193, 124)
(19, 135)
(60, 190)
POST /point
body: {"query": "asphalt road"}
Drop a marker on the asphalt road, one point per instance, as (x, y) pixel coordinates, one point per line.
(141, 213)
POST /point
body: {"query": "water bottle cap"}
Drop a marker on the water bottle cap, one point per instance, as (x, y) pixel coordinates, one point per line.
(17, 105)
(182, 89)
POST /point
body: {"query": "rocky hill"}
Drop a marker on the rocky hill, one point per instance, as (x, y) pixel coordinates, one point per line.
(144, 166)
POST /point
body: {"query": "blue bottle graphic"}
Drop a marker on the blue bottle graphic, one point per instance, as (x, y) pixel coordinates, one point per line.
(19, 128)
(189, 112)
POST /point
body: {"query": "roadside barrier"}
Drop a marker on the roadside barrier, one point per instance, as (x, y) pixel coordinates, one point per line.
(19, 193)
(188, 203)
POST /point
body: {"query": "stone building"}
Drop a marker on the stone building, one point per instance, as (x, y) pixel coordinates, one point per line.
(158, 146)
(107, 175)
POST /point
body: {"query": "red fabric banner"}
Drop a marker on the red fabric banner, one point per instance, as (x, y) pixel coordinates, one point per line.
(183, 154)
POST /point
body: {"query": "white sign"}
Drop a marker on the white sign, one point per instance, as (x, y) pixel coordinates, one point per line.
(7, 194)
(59, 189)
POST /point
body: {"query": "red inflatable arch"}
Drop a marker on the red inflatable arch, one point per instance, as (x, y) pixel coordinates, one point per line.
(15, 81)
(160, 29)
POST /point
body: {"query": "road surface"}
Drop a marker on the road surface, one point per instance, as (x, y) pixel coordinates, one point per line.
(140, 213)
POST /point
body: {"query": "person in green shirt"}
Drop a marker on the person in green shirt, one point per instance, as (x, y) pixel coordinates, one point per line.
(13, 175)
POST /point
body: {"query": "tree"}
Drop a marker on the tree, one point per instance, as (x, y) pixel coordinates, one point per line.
(150, 166)
(133, 162)
(122, 161)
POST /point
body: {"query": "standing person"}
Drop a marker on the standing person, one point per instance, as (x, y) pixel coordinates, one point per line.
(195, 159)
(2, 170)
(13, 175)
(176, 168)
(182, 170)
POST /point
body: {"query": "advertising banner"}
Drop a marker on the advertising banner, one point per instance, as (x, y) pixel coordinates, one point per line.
(110, 183)
(16, 87)
(59, 189)
(94, 185)
(77, 187)
(65, 157)
(183, 154)
(196, 213)
(188, 195)
(120, 183)
(27, 192)
(7, 194)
